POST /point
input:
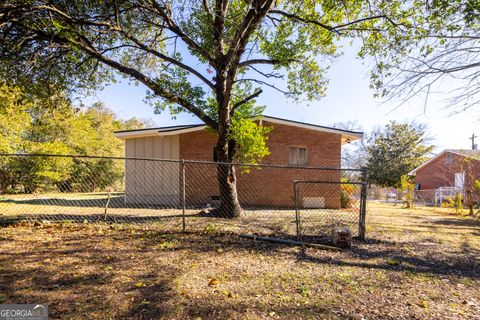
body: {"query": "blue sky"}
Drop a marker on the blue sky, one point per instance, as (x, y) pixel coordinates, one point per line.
(348, 98)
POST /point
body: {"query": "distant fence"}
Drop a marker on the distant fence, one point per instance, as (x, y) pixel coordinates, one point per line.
(181, 195)
(443, 196)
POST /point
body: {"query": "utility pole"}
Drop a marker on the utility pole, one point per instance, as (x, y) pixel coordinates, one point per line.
(473, 140)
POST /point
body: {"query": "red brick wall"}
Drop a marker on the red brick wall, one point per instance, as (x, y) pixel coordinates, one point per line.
(266, 186)
(440, 174)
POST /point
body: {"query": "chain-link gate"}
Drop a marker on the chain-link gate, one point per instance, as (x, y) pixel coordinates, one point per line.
(320, 206)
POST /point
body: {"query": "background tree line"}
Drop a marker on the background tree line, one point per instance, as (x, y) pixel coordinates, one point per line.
(32, 124)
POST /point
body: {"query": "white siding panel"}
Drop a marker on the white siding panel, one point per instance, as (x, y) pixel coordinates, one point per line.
(152, 182)
(158, 172)
(129, 167)
(149, 174)
(140, 168)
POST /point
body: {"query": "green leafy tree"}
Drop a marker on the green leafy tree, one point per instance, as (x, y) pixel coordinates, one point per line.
(35, 125)
(13, 119)
(395, 151)
(187, 54)
(41, 173)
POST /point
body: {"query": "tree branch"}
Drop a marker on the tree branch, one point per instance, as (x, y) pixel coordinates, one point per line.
(382, 16)
(335, 29)
(243, 101)
(172, 26)
(298, 18)
(265, 61)
(258, 9)
(167, 58)
(206, 7)
(84, 44)
(266, 84)
(268, 75)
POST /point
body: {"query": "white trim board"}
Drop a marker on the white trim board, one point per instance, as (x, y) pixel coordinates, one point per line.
(346, 136)
(156, 132)
(355, 135)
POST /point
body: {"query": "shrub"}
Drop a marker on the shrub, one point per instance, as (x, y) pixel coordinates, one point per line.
(346, 192)
(455, 202)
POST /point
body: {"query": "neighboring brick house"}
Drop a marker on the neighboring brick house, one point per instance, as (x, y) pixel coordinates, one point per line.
(291, 143)
(452, 168)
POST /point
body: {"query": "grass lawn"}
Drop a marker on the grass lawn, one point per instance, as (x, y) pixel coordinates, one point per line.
(416, 264)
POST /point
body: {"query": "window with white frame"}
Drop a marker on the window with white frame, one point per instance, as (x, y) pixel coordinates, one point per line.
(297, 156)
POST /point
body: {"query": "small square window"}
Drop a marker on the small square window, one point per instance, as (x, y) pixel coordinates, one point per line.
(297, 156)
(448, 158)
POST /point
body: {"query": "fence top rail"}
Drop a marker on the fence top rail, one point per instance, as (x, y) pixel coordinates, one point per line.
(179, 161)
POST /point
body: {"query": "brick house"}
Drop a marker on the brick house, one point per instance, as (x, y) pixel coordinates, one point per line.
(291, 143)
(452, 168)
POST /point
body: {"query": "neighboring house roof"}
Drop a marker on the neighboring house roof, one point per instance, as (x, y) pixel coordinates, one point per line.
(465, 152)
(164, 131)
(475, 154)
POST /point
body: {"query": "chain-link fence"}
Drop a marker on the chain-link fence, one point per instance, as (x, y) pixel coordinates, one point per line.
(181, 195)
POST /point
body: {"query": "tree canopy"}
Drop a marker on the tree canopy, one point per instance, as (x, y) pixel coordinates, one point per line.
(183, 51)
(34, 126)
(396, 150)
(208, 58)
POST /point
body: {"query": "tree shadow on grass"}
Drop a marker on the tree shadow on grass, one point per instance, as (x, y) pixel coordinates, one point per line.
(93, 218)
(376, 254)
(93, 290)
(465, 222)
(42, 276)
(387, 255)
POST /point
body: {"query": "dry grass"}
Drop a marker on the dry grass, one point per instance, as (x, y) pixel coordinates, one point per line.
(417, 264)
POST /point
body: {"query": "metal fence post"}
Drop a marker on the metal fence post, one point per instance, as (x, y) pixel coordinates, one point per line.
(182, 166)
(363, 205)
(297, 211)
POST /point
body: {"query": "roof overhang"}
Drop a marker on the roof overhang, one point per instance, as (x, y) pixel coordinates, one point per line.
(346, 136)
(165, 131)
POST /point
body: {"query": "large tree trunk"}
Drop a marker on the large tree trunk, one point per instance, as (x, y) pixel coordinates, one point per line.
(227, 179)
(227, 185)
